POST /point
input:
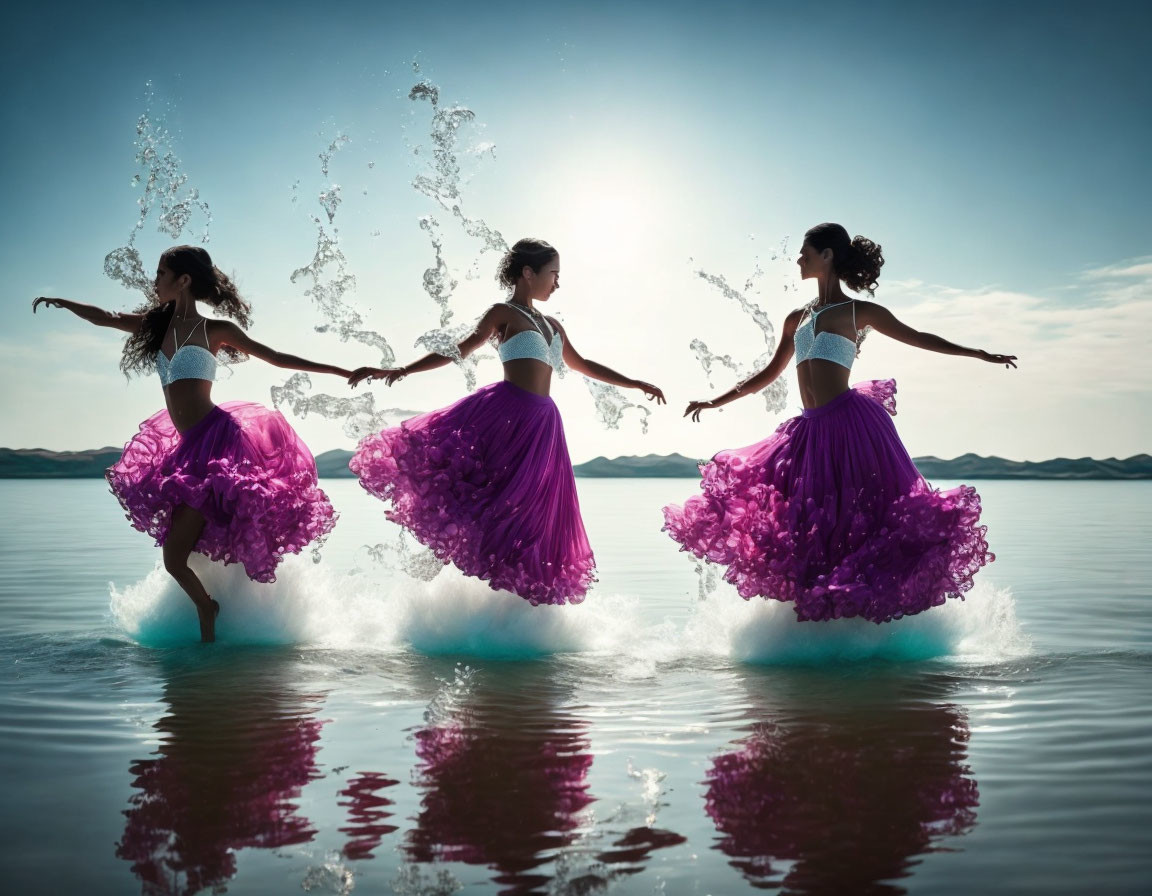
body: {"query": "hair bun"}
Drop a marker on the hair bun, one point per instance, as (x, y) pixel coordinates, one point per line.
(857, 261)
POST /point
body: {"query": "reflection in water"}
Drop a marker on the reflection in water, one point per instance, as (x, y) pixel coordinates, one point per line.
(635, 847)
(368, 811)
(503, 774)
(237, 745)
(842, 799)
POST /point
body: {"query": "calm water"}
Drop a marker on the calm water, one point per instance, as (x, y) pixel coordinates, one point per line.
(356, 730)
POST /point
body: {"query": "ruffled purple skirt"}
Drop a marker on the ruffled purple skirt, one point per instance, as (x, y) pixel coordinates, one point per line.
(243, 467)
(831, 514)
(487, 484)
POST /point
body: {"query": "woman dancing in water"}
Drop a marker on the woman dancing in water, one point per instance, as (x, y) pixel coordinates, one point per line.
(486, 482)
(829, 512)
(232, 481)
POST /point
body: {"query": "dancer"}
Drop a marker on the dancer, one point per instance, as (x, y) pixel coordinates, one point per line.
(233, 481)
(486, 482)
(829, 512)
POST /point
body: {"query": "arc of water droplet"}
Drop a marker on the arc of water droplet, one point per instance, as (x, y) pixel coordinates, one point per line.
(329, 282)
(166, 193)
(442, 186)
(359, 413)
(775, 395)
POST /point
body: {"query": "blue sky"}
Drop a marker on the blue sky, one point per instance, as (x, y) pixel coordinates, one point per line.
(998, 154)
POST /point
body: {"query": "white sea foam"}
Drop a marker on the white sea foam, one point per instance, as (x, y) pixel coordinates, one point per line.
(982, 626)
(307, 604)
(317, 606)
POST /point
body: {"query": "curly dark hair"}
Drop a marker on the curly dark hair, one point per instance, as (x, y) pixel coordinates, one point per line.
(524, 253)
(209, 284)
(857, 261)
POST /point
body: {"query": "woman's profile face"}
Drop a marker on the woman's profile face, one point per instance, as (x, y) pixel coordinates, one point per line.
(165, 283)
(810, 261)
(543, 283)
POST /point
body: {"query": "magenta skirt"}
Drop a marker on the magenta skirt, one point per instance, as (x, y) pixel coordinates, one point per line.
(487, 484)
(243, 467)
(831, 514)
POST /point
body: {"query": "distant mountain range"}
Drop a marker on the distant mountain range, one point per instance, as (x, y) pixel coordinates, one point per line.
(37, 463)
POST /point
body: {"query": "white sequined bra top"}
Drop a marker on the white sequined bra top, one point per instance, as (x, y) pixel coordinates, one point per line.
(825, 346)
(533, 344)
(188, 362)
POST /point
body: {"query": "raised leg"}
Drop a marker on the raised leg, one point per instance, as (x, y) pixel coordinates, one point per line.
(187, 524)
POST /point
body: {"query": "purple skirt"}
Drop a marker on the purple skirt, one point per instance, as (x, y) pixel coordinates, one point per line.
(243, 467)
(487, 484)
(831, 514)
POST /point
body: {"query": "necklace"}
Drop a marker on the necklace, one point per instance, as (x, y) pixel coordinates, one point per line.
(536, 315)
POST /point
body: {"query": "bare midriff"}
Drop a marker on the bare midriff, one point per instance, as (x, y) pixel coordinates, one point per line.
(188, 402)
(529, 374)
(820, 381)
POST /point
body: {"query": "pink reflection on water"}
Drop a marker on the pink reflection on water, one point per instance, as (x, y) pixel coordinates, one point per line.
(503, 798)
(367, 811)
(843, 804)
(225, 778)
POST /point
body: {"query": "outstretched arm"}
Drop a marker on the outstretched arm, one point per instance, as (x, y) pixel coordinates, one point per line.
(232, 335)
(758, 381)
(598, 371)
(483, 332)
(884, 321)
(128, 322)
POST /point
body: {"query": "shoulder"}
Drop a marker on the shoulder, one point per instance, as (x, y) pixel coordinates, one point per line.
(497, 314)
(555, 323)
(223, 331)
(793, 319)
(867, 312)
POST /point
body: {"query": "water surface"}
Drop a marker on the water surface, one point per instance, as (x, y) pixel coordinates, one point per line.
(355, 730)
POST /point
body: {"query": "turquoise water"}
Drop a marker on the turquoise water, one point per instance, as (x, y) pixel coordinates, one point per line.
(356, 730)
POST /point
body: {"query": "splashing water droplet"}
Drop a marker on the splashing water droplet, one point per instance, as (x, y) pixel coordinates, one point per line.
(360, 415)
(415, 562)
(776, 393)
(166, 193)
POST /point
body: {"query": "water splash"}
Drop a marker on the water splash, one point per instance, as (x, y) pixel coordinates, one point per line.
(319, 607)
(652, 792)
(331, 876)
(450, 702)
(418, 880)
(442, 184)
(707, 359)
(982, 626)
(167, 194)
(709, 578)
(330, 201)
(416, 563)
(325, 156)
(329, 281)
(776, 393)
(438, 283)
(359, 413)
(611, 405)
